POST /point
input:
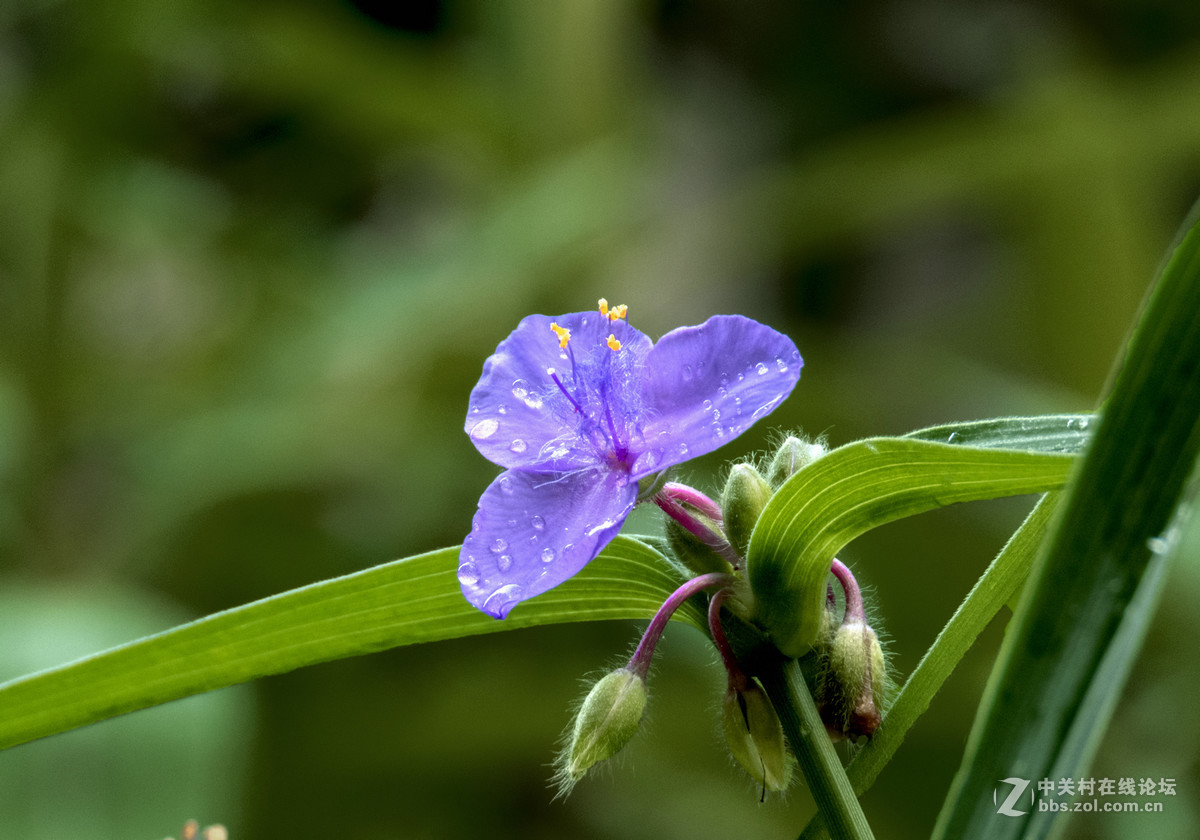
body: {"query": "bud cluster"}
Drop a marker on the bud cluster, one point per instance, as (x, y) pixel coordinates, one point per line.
(846, 665)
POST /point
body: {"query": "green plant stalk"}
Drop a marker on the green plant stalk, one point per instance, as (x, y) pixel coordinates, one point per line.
(997, 585)
(810, 742)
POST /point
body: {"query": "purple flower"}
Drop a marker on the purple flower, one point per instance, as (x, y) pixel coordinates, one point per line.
(578, 409)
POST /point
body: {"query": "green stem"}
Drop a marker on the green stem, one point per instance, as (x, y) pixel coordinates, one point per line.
(810, 742)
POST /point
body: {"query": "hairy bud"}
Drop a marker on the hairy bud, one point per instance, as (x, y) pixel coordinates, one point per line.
(854, 682)
(755, 736)
(745, 495)
(793, 455)
(607, 720)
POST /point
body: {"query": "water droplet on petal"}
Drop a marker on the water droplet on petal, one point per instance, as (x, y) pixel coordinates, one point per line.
(533, 401)
(503, 409)
(468, 574)
(707, 405)
(504, 563)
(742, 376)
(505, 484)
(537, 523)
(687, 373)
(682, 450)
(716, 414)
(760, 369)
(520, 389)
(502, 597)
(498, 545)
(484, 429)
(518, 446)
(781, 365)
(548, 555)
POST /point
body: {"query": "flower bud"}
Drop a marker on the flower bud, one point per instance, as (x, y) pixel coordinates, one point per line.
(745, 495)
(793, 454)
(854, 681)
(692, 551)
(755, 736)
(607, 720)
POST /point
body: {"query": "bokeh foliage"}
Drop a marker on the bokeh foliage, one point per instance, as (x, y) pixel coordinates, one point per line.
(253, 255)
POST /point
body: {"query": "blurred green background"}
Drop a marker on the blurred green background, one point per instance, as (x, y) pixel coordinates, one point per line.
(252, 257)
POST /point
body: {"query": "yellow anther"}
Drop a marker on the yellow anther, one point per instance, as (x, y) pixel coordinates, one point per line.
(603, 308)
(617, 312)
(564, 334)
(613, 344)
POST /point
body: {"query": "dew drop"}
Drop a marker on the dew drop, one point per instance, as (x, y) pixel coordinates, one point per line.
(502, 597)
(533, 401)
(468, 574)
(1157, 545)
(548, 555)
(953, 437)
(520, 389)
(504, 562)
(484, 429)
(687, 373)
(682, 450)
(537, 523)
(707, 405)
(505, 484)
(1083, 422)
(518, 446)
(781, 365)
(498, 545)
(760, 369)
(741, 376)
(716, 414)
(503, 409)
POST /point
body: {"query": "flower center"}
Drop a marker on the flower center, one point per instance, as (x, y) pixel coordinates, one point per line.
(590, 383)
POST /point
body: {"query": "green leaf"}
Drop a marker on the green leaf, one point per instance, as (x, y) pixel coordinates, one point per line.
(1079, 623)
(405, 602)
(863, 485)
(1044, 433)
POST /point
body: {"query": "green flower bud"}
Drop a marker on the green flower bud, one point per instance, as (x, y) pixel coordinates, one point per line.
(793, 454)
(607, 720)
(755, 736)
(855, 681)
(692, 551)
(745, 495)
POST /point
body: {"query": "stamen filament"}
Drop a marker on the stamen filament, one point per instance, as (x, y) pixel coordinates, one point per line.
(554, 376)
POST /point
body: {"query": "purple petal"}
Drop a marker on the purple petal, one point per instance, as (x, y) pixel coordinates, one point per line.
(708, 384)
(518, 416)
(534, 530)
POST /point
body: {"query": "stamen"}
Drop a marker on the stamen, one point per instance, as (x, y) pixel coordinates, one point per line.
(564, 334)
(603, 308)
(616, 313)
(553, 374)
(613, 344)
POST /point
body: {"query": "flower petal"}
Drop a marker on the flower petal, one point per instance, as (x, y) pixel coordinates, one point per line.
(519, 417)
(535, 530)
(706, 385)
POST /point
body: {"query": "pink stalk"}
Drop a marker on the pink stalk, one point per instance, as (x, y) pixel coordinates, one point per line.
(639, 663)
